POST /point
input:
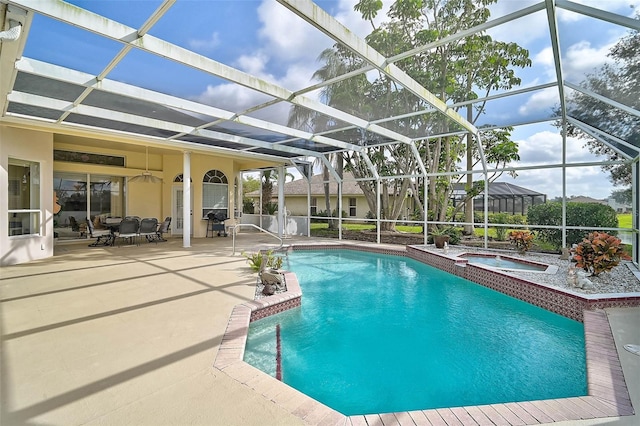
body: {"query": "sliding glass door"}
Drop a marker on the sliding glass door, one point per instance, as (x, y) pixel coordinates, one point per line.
(103, 196)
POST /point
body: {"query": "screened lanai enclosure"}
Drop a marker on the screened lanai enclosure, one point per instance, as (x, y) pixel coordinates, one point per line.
(409, 100)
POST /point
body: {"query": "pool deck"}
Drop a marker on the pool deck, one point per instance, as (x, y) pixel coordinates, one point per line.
(130, 335)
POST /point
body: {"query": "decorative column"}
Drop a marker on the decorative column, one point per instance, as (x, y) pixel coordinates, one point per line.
(186, 199)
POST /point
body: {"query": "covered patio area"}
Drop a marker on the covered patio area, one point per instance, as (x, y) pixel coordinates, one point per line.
(129, 335)
(126, 335)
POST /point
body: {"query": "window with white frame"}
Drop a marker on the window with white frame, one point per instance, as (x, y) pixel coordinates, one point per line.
(215, 193)
(24, 197)
(352, 207)
(314, 206)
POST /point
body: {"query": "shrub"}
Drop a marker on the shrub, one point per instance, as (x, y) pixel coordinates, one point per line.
(578, 214)
(501, 231)
(455, 235)
(255, 260)
(521, 239)
(248, 206)
(599, 252)
(517, 219)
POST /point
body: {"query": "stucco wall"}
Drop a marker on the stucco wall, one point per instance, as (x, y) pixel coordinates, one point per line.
(31, 146)
(297, 205)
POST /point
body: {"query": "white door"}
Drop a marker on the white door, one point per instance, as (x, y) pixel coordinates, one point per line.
(177, 224)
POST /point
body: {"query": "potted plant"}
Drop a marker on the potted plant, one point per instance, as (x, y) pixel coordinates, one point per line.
(440, 236)
(599, 252)
(523, 240)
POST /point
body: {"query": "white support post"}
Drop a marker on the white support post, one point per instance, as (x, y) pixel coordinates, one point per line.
(308, 206)
(426, 209)
(260, 206)
(339, 210)
(281, 208)
(635, 210)
(186, 199)
(564, 183)
(378, 223)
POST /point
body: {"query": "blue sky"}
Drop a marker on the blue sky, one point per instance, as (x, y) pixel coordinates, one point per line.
(266, 40)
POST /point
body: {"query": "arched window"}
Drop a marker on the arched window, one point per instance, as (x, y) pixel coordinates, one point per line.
(180, 178)
(215, 193)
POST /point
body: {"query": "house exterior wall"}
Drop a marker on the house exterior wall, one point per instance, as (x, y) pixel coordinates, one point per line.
(200, 164)
(37, 147)
(141, 199)
(297, 205)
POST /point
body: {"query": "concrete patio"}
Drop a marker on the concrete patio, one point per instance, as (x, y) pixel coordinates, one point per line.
(128, 335)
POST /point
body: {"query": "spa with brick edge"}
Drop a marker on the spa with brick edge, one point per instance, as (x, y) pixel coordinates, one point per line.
(607, 390)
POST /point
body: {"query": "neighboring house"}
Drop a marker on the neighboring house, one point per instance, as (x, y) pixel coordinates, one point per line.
(585, 199)
(354, 203)
(503, 197)
(619, 207)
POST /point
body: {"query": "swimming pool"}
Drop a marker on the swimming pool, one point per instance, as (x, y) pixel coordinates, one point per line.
(380, 333)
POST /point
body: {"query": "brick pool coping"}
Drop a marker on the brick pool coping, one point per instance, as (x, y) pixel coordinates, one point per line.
(607, 390)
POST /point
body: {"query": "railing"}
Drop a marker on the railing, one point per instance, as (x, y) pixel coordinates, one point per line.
(251, 225)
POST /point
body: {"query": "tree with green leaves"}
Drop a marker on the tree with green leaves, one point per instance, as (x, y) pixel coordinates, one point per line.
(460, 70)
(619, 81)
(269, 177)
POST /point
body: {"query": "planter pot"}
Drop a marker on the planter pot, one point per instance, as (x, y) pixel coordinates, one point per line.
(439, 240)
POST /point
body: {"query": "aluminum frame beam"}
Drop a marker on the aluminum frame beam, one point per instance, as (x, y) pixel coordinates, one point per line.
(324, 22)
(80, 18)
(59, 73)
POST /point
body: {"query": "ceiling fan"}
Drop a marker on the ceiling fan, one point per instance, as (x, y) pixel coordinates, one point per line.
(146, 176)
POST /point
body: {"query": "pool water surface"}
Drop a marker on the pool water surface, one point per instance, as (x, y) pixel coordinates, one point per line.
(379, 333)
(507, 263)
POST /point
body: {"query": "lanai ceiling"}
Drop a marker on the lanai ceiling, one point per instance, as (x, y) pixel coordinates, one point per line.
(73, 69)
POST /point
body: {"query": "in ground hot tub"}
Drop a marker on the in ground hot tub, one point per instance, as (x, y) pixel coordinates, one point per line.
(508, 263)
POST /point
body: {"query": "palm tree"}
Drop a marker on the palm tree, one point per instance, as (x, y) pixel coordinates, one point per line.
(268, 178)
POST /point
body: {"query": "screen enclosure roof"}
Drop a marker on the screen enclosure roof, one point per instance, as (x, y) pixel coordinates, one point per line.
(136, 70)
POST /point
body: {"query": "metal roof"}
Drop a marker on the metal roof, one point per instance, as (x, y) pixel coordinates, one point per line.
(502, 190)
(64, 91)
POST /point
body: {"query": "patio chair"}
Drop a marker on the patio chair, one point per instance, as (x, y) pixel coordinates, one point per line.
(149, 229)
(104, 237)
(128, 230)
(164, 229)
(74, 224)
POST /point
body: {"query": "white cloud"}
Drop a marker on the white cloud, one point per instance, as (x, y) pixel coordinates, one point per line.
(543, 100)
(623, 7)
(254, 64)
(583, 58)
(577, 60)
(286, 36)
(205, 45)
(523, 30)
(290, 43)
(544, 57)
(545, 148)
(230, 96)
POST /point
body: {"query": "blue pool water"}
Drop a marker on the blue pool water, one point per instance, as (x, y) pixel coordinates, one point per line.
(378, 333)
(503, 263)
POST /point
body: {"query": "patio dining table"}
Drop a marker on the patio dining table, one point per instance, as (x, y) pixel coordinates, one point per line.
(113, 227)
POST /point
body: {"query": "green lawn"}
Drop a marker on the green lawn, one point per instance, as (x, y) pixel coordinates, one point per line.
(624, 220)
(321, 230)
